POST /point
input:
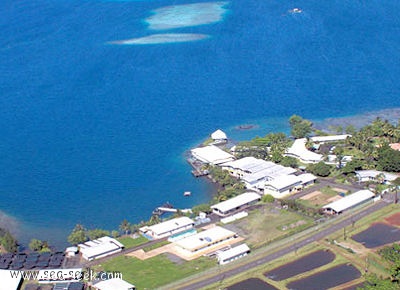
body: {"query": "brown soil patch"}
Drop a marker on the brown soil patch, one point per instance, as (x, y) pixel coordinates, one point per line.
(339, 189)
(394, 219)
(311, 195)
(334, 198)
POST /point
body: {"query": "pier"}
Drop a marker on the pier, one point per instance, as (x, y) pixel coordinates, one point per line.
(169, 208)
(197, 167)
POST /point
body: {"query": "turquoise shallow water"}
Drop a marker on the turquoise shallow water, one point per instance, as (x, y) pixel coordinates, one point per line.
(93, 133)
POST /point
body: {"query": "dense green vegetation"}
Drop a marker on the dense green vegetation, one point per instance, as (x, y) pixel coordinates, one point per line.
(39, 246)
(7, 241)
(300, 128)
(391, 254)
(80, 234)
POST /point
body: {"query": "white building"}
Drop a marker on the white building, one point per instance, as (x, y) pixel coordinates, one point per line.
(8, 282)
(113, 284)
(233, 254)
(211, 155)
(373, 175)
(100, 248)
(331, 138)
(168, 228)
(219, 136)
(236, 203)
(253, 171)
(283, 186)
(349, 201)
(299, 151)
(211, 239)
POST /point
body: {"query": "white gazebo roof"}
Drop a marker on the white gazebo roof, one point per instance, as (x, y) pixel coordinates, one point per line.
(219, 135)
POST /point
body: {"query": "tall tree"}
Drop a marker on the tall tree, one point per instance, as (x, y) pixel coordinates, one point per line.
(125, 226)
(300, 128)
(78, 235)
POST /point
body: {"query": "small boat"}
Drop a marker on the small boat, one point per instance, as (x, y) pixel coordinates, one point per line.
(187, 193)
(295, 10)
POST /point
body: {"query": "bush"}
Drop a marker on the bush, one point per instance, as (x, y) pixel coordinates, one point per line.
(267, 198)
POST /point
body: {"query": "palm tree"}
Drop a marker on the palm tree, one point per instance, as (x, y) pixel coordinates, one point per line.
(125, 226)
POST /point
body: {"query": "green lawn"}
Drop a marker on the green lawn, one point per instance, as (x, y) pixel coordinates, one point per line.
(267, 224)
(129, 242)
(155, 272)
(155, 246)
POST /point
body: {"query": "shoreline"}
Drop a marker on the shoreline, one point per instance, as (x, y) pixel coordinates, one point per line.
(357, 120)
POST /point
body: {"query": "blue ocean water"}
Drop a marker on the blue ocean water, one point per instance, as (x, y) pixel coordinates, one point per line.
(93, 133)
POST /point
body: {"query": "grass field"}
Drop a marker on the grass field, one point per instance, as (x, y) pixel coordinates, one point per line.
(155, 246)
(129, 242)
(154, 272)
(267, 224)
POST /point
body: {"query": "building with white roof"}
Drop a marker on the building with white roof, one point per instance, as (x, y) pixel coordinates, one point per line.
(283, 186)
(299, 151)
(168, 228)
(331, 138)
(113, 284)
(374, 175)
(219, 136)
(211, 155)
(236, 203)
(307, 179)
(348, 202)
(100, 248)
(253, 171)
(211, 239)
(233, 254)
(8, 282)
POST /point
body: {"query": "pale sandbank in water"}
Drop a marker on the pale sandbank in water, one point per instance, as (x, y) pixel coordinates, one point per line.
(178, 16)
(162, 38)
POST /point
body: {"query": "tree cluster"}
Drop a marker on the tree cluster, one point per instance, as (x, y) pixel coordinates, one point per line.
(8, 242)
(300, 128)
(39, 246)
(80, 234)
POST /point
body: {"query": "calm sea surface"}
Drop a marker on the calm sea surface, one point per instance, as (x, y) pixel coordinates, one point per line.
(93, 132)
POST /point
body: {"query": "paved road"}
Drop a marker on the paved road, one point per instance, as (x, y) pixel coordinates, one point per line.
(292, 248)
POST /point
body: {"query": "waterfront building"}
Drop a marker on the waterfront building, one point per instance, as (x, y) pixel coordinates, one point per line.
(219, 136)
(233, 254)
(100, 248)
(349, 201)
(253, 171)
(211, 155)
(236, 203)
(168, 228)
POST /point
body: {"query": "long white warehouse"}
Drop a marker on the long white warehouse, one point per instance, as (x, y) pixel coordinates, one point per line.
(238, 202)
(100, 248)
(348, 202)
